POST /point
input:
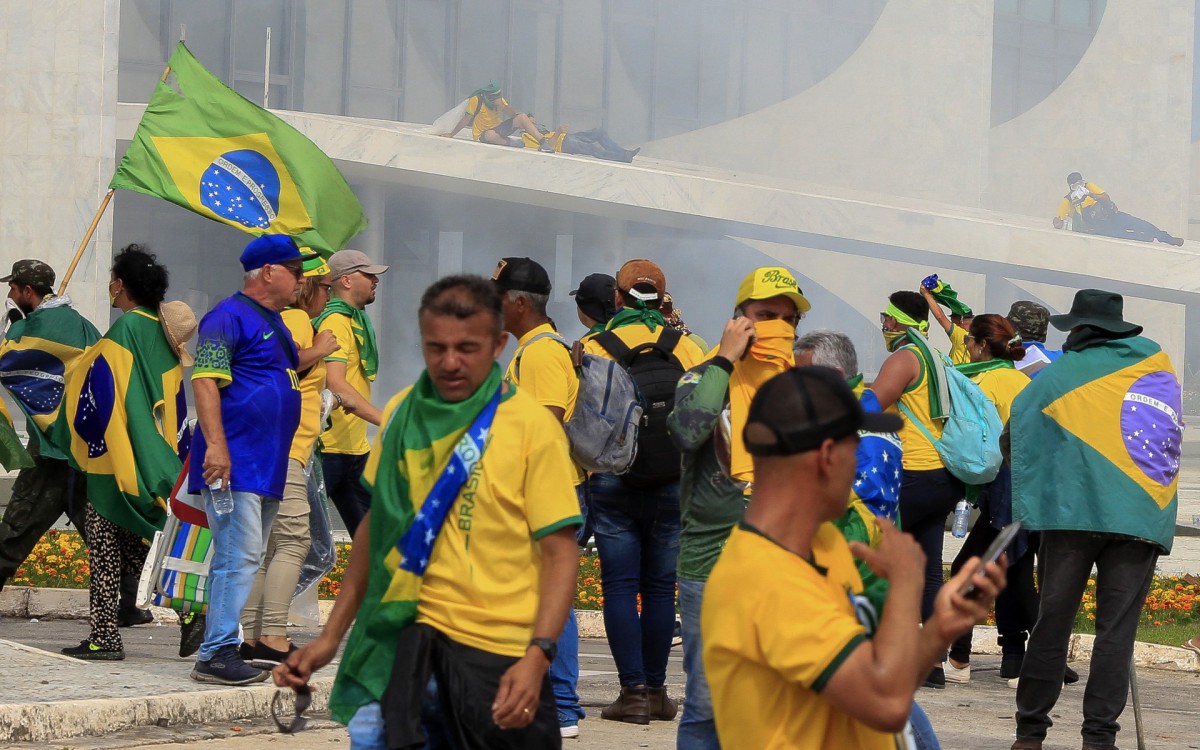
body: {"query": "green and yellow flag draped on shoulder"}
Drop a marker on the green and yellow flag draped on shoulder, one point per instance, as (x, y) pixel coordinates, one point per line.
(1096, 440)
(37, 356)
(419, 435)
(201, 145)
(121, 412)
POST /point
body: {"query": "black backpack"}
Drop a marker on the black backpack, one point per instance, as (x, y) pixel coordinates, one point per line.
(655, 371)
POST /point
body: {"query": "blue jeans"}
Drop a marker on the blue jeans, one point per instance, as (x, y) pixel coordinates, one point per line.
(696, 727)
(239, 538)
(922, 729)
(343, 484)
(366, 729)
(564, 670)
(637, 536)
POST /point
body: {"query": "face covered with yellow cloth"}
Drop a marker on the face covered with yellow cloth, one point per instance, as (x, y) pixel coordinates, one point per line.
(771, 300)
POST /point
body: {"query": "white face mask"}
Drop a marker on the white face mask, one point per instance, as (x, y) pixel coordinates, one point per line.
(12, 314)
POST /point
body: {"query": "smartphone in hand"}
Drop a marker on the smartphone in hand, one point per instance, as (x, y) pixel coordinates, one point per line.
(994, 550)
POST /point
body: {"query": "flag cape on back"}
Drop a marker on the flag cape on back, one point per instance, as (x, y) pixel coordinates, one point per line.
(120, 417)
(203, 146)
(409, 457)
(36, 357)
(1096, 440)
(13, 455)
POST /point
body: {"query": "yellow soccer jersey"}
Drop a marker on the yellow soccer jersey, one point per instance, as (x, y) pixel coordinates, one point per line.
(481, 588)
(958, 346)
(1002, 387)
(347, 433)
(300, 325)
(487, 118)
(688, 354)
(771, 648)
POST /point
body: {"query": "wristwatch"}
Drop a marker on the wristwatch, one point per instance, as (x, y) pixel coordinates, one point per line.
(548, 646)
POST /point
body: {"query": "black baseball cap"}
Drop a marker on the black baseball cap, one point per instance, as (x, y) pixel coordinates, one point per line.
(797, 410)
(596, 297)
(521, 275)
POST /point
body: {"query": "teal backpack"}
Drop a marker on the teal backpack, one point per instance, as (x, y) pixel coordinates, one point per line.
(970, 442)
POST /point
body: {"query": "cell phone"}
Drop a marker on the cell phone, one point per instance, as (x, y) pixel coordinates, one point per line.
(994, 550)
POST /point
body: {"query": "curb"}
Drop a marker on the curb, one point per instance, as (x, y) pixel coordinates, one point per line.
(49, 722)
(72, 604)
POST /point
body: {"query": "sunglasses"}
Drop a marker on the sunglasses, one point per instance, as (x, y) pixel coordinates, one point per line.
(296, 271)
(326, 287)
(299, 721)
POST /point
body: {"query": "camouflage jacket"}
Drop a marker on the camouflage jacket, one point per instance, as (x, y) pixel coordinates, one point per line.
(710, 502)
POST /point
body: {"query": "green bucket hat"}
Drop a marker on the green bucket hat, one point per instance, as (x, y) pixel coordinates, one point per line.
(1098, 309)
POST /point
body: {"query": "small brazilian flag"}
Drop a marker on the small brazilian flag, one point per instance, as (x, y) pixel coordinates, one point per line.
(1096, 442)
(203, 146)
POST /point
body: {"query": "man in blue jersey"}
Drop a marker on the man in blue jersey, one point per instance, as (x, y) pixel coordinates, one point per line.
(248, 401)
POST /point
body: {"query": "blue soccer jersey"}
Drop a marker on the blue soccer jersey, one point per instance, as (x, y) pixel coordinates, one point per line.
(248, 350)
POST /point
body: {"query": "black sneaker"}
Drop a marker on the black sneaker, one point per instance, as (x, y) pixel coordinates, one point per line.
(677, 635)
(89, 651)
(1070, 677)
(227, 668)
(191, 633)
(265, 657)
(134, 617)
(936, 679)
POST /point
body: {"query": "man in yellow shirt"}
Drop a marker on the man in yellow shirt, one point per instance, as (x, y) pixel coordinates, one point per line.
(542, 368)
(793, 660)
(349, 372)
(636, 515)
(1087, 208)
(466, 564)
(493, 119)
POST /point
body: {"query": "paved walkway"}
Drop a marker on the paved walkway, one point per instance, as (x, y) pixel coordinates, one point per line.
(40, 691)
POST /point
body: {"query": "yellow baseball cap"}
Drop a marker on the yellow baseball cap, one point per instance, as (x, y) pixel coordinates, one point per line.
(772, 281)
(314, 264)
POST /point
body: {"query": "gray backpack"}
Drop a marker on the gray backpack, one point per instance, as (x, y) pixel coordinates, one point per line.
(603, 429)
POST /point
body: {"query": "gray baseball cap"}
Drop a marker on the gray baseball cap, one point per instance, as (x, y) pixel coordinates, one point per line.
(345, 262)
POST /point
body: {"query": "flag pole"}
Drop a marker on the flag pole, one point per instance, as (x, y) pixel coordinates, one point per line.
(267, 72)
(86, 239)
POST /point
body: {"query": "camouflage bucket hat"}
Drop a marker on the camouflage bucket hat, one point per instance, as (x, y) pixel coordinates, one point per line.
(31, 271)
(1030, 319)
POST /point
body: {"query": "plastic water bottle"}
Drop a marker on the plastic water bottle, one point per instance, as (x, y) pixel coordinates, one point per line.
(222, 497)
(962, 517)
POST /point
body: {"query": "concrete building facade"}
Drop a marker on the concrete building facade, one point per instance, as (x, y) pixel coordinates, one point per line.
(865, 143)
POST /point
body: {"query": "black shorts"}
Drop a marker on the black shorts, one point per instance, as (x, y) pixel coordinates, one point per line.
(505, 129)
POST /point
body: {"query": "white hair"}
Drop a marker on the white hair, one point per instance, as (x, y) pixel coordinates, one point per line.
(829, 349)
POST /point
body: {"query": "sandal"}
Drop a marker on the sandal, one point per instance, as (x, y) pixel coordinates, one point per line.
(1192, 645)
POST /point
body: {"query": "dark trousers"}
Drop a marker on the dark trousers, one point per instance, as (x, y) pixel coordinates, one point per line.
(1017, 605)
(343, 484)
(1125, 567)
(926, 499)
(41, 493)
(441, 693)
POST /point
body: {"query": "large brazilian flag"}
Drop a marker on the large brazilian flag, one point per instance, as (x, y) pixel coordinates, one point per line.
(1096, 440)
(121, 413)
(36, 357)
(203, 146)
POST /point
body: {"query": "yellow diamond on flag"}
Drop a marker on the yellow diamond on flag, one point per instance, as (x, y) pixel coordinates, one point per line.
(1145, 441)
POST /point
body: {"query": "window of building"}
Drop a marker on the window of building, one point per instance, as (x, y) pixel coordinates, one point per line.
(1035, 46)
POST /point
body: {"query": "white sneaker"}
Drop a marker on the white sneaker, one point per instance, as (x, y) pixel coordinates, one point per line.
(956, 675)
(569, 732)
(1013, 682)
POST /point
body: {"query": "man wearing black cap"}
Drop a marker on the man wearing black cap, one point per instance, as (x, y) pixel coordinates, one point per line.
(798, 659)
(595, 301)
(542, 368)
(1087, 208)
(248, 402)
(1095, 468)
(36, 356)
